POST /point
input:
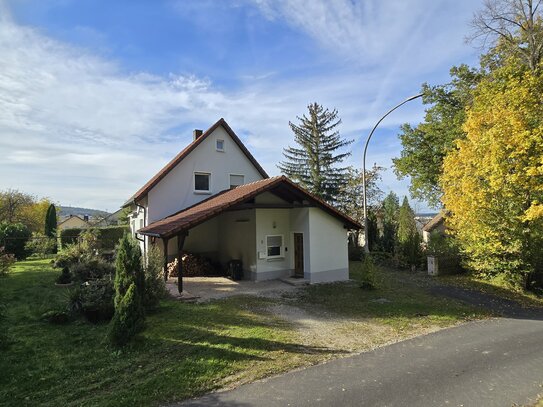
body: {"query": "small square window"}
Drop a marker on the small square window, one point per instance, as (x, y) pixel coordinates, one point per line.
(274, 246)
(201, 182)
(236, 180)
(220, 145)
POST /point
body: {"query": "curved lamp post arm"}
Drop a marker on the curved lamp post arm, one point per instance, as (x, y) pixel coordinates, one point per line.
(366, 245)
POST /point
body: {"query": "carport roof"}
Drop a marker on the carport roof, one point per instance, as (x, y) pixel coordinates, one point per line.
(234, 199)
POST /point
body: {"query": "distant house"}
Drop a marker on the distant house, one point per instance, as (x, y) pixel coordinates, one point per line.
(436, 224)
(216, 200)
(74, 221)
(110, 220)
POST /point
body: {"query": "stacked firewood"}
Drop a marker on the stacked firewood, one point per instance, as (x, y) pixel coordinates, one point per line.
(193, 266)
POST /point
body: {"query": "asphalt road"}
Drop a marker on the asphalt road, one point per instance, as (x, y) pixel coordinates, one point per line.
(496, 362)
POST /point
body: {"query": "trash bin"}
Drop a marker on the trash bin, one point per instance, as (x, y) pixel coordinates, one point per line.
(235, 270)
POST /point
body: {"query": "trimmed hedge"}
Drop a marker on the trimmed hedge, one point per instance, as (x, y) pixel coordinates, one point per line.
(108, 236)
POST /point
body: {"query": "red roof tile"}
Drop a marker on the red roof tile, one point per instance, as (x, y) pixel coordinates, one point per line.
(213, 206)
(179, 157)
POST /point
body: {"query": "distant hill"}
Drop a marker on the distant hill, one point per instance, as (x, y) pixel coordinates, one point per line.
(65, 211)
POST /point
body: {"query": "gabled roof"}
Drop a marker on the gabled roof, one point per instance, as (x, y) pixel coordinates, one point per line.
(229, 199)
(187, 150)
(72, 217)
(435, 221)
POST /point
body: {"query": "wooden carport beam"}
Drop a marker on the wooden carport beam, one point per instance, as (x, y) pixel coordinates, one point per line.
(165, 244)
(180, 243)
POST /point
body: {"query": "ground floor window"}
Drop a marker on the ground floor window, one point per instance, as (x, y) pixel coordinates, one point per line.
(274, 246)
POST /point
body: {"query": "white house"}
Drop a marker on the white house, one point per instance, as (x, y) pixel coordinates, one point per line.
(215, 199)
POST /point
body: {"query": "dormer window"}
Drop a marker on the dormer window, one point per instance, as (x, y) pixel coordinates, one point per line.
(202, 182)
(220, 145)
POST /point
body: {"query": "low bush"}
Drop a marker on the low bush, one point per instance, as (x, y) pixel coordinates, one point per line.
(13, 237)
(65, 276)
(106, 237)
(355, 253)
(367, 281)
(5, 339)
(6, 261)
(94, 300)
(155, 287)
(41, 245)
(91, 269)
(58, 317)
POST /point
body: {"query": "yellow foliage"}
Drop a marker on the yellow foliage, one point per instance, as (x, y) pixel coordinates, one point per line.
(493, 181)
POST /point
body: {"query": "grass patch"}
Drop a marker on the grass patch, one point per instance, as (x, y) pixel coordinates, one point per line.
(497, 286)
(407, 308)
(186, 349)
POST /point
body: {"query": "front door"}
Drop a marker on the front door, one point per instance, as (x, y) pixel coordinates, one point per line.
(298, 255)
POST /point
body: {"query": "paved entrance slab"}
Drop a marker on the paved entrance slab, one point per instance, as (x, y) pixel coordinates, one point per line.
(203, 289)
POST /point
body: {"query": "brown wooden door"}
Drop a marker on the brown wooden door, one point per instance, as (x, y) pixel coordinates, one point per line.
(298, 255)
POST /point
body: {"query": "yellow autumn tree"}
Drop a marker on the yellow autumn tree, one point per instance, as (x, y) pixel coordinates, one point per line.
(493, 180)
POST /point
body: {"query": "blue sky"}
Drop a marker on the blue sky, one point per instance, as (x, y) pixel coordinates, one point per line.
(96, 96)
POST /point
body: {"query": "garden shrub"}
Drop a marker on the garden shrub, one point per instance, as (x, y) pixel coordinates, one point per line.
(128, 319)
(128, 268)
(155, 287)
(13, 237)
(368, 281)
(94, 299)
(129, 293)
(6, 261)
(58, 317)
(91, 269)
(65, 276)
(4, 336)
(41, 245)
(106, 237)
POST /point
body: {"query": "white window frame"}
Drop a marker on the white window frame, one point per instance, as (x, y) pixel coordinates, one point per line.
(236, 175)
(281, 254)
(201, 191)
(217, 145)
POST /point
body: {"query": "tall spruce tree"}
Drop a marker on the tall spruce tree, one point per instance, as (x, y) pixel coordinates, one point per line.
(391, 208)
(314, 162)
(51, 221)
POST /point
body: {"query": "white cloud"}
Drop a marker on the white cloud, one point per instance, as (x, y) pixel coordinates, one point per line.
(76, 128)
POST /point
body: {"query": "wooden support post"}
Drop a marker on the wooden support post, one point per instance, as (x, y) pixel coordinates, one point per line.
(165, 243)
(180, 243)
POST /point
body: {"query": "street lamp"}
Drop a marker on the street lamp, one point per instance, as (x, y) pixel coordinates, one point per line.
(366, 245)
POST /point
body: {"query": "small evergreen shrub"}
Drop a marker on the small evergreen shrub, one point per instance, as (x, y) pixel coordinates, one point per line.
(155, 287)
(368, 281)
(128, 267)
(65, 277)
(128, 319)
(6, 261)
(91, 269)
(94, 300)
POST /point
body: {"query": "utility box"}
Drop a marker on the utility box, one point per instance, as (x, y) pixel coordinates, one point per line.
(433, 266)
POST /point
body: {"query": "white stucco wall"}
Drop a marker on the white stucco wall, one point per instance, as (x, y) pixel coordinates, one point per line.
(237, 240)
(328, 248)
(273, 222)
(176, 190)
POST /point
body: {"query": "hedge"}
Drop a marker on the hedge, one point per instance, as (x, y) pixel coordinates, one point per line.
(108, 236)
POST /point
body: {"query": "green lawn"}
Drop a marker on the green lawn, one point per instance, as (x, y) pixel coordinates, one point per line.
(186, 349)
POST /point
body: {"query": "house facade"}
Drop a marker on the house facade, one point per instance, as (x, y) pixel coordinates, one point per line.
(73, 222)
(214, 199)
